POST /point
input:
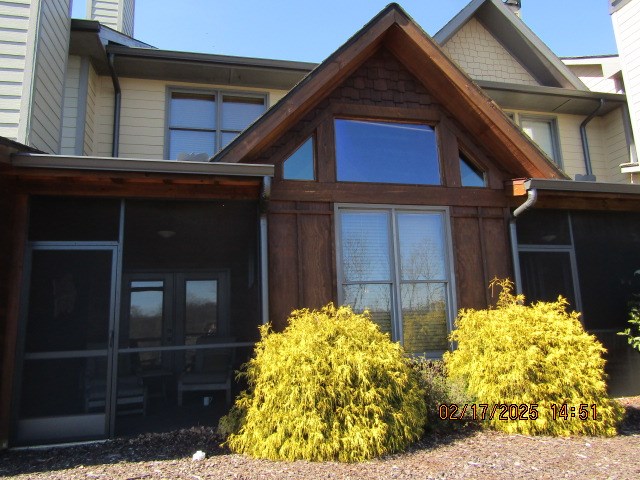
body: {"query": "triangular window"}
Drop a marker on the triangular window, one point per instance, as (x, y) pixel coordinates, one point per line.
(471, 176)
(300, 164)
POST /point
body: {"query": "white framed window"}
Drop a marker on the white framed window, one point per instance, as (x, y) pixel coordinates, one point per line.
(395, 261)
(544, 131)
(201, 123)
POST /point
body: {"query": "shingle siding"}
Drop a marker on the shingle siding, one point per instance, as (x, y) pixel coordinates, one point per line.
(483, 57)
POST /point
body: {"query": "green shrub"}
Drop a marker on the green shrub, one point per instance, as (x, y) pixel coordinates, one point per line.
(633, 331)
(330, 387)
(538, 354)
(438, 391)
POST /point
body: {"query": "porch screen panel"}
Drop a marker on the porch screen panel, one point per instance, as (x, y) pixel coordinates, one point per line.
(423, 281)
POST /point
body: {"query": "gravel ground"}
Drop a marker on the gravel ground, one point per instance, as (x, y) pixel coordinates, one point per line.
(465, 454)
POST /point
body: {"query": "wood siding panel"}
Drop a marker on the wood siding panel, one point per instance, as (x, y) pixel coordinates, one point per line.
(469, 269)
(317, 271)
(496, 251)
(283, 268)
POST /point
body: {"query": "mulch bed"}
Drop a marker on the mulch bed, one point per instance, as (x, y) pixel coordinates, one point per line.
(468, 453)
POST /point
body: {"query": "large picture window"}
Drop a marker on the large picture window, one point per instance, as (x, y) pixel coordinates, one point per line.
(394, 262)
(384, 152)
(203, 123)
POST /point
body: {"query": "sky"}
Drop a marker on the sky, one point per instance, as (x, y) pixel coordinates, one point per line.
(309, 31)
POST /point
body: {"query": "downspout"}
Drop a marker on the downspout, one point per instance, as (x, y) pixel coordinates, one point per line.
(116, 106)
(264, 248)
(532, 197)
(585, 145)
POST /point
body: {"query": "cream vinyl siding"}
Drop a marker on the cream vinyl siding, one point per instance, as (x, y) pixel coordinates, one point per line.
(14, 25)
(625, 27)
(90, 117)
(116, 14)
(70, 112)
(49, 72)
(615, 143)
(142, 116)
(595, 79)
(603, 139)
(483, 57)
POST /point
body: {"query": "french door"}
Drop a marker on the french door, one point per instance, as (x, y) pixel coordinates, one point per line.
(70, 317)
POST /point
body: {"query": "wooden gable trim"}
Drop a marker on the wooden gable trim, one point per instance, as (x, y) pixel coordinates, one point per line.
(424, 59)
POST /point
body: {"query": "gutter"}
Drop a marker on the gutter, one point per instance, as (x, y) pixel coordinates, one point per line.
(115, 145)
(585, 145)
(532, 198)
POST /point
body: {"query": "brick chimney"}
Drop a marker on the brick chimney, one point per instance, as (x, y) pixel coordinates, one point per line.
(514, 6)
(116, 14)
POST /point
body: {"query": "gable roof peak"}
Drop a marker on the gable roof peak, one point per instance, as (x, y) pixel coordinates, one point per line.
(517, 38)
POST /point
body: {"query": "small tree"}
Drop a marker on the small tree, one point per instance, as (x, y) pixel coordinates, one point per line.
(521, 355)
(330, 387)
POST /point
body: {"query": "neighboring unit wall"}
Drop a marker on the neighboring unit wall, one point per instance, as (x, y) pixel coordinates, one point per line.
(116, 14)
(607, 144)
(615, 144)
(14, 25)
(142, 116)
(70, 113)
(482, 57)
(49, 71)
(627, 32)
(594, 78)
(90, 118)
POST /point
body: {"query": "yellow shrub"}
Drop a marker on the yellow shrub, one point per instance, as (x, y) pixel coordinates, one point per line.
(538, 354)
(330, 387)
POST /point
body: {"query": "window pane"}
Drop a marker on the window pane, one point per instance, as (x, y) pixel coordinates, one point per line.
(424, 317)
(189, 145)
(421, 246)
(299, 166)
(145, 320)
(190, 110)
(376, 298)
(544, 227)
(365, 246)
(541, 131)
(201, 309)
(240, 112)
(470, 175)
(386, 153)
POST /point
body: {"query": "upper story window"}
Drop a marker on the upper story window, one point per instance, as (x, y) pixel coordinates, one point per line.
(385, 152)
(300, 164)
(203, 123)
(543, 131)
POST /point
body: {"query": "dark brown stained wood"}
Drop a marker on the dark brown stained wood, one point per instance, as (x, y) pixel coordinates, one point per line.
(469, 271)
(466, 102)
(325, 153)
(349, 192)
(310, 91)
(57, 182)
(12, 242)
(496, 251)
(427, 113)
(283, 268)
(449, 160)
(316, 261)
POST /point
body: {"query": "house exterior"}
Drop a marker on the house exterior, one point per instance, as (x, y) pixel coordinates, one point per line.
(159, 205)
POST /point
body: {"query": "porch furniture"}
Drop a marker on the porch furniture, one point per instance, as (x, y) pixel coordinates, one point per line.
(212, 370)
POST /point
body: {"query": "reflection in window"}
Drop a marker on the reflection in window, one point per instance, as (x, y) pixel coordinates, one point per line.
(409, 301)
(470, 175)
(383, 152)
(201, 309)
(146, 319)
(299, 165)
(200, 124)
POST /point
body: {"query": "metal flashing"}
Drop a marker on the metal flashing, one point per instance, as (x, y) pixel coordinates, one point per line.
(542, 184)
